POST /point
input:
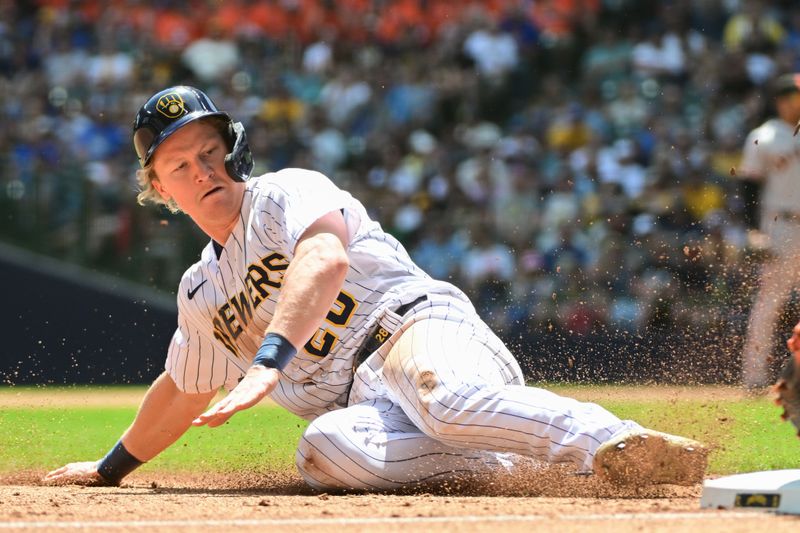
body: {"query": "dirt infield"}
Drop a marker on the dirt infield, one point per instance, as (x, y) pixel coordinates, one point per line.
(553, 500)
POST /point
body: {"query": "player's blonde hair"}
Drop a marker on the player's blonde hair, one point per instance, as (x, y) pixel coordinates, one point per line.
(146, 175)
(148, 193)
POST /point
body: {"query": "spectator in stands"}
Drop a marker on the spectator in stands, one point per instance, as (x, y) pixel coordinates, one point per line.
(211, 57)
(444, 122)
(494, 52)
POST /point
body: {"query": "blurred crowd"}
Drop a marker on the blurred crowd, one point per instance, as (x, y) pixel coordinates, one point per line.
(570, 163)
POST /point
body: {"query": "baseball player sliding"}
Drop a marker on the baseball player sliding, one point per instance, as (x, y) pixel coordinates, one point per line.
(299, 296)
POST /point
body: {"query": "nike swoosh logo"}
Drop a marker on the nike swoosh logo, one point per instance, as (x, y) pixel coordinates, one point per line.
(192, 292)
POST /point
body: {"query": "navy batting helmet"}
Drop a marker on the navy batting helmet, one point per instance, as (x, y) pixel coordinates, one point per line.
(169, 110)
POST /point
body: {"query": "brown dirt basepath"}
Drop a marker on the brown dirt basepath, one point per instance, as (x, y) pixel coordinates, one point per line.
(279, 501)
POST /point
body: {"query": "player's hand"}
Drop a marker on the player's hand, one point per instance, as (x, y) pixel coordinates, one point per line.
(257, 383)
(794, 341)
(84, 473)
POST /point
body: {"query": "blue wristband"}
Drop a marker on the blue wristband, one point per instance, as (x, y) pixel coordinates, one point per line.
(117, 464)
(275, 352)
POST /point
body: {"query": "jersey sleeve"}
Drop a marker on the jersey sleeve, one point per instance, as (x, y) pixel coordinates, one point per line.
(292, 201)
(195, 364)
(752, 166)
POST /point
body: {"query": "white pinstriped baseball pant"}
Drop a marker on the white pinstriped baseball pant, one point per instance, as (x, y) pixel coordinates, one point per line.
(449, 399)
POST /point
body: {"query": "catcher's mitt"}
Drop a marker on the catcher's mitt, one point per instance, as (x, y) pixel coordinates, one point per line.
(788, 390)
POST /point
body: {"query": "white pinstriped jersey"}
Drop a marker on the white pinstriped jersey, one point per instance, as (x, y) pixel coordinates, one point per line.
(225, 303)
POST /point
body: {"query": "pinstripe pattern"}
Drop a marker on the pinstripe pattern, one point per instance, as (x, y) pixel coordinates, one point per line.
(453, 390)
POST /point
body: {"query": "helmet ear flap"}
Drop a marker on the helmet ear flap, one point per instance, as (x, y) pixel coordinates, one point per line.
(239, 162)
(230, 136)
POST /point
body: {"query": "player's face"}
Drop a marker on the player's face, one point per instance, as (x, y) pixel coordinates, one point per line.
(788, 107)
(190, 169)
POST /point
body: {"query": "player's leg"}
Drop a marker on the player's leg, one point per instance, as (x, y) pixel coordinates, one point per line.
(458, 383)
(778, 278)
(374, 446)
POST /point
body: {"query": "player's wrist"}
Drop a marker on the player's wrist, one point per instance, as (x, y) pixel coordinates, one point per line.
(275, 352)
(117, 464)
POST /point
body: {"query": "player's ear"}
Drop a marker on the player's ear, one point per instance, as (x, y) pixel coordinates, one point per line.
(159, 187)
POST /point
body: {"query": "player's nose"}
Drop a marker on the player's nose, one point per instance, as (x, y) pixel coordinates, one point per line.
(203, 170)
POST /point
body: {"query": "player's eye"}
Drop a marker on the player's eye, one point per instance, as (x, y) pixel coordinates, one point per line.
(180, 167)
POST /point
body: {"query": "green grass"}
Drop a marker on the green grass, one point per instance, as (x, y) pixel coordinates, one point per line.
(746, 434)
(46, 438)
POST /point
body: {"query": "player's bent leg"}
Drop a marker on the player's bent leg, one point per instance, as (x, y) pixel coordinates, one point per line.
(374, 446)
(451, 378)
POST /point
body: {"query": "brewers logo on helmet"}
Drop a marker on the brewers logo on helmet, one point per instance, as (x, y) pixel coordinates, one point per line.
(171, 105)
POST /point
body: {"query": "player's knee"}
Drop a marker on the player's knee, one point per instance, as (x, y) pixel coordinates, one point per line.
(308, 449)
(311, 460)
(416, 379)
(426, 388)
(433, 403)
(446, 408)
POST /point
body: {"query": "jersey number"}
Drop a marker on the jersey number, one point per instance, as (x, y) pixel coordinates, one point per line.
(324, 340)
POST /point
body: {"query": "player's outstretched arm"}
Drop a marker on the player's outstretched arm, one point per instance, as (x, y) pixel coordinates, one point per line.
(311, 284)
(164, 415)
